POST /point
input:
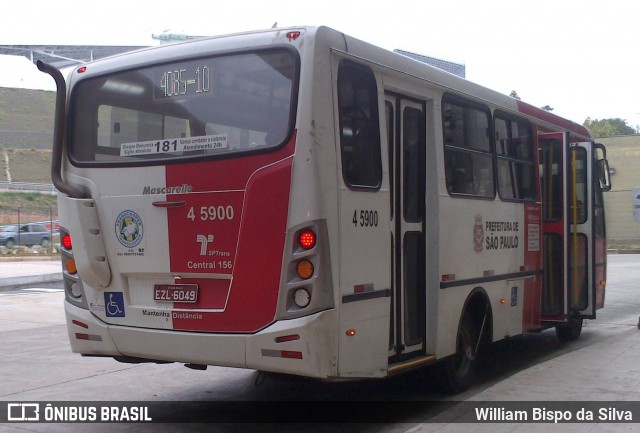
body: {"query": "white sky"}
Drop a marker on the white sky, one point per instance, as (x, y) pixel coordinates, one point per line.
(578, 56)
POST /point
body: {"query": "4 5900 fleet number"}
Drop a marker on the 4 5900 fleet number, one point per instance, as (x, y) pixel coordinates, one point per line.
(365, 218)
(212, 213)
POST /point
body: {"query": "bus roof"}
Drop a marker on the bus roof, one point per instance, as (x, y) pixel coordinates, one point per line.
(349, 45)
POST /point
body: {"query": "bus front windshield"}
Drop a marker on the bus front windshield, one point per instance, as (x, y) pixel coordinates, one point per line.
(200, 107)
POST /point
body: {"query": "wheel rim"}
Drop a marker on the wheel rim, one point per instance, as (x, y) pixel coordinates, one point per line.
(465, 355)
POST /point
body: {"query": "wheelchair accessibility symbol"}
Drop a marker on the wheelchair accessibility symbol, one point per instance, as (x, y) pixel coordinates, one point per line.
(114, 304)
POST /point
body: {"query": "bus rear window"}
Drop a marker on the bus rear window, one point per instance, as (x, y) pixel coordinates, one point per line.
(188, 109)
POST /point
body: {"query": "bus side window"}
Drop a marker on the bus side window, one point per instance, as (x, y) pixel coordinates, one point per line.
(359, 127)
(469, 161)
(515, 157)
(459, 173)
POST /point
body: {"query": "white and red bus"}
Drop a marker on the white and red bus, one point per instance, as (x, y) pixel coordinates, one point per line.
(299, 201)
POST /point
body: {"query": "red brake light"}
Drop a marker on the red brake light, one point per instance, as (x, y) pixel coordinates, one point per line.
(66, 241)
(307, 239)
(292, 36)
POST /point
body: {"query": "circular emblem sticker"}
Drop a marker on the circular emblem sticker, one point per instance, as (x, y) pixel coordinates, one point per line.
(129, 228)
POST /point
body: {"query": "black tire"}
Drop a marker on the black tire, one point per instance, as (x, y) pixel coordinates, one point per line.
(569, 331)
(10, 243)
(459, 370)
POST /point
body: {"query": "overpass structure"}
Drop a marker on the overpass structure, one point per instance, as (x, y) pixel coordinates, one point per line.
(62, 56)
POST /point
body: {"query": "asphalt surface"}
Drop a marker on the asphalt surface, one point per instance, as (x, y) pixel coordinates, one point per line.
(602, 379)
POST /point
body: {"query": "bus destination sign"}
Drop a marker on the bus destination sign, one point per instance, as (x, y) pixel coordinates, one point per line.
(185, 79)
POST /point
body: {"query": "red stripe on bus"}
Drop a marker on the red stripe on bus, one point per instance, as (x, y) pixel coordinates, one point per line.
(245, 245)
(551, 118)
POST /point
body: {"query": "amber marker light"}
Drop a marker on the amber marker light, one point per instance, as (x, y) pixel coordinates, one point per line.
(351, 332)
(304, 269)
(71, 266)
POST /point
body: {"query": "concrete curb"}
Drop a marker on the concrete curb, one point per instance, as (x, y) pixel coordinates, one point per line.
(13, 282)
(624, 251)
(45, 258)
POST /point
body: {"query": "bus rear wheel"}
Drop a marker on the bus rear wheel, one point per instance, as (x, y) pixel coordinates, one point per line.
(569, 331)
(459, 370)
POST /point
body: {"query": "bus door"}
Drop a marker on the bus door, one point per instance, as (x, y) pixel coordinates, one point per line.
(405, 119)
(364, 225)
(571, 210)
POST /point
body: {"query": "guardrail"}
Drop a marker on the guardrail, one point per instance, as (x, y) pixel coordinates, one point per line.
(43, 188)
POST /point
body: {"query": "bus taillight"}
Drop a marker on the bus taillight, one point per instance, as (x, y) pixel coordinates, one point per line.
(302, 298)
(305, 269)
(66, 241)
(70, 266)
(307, 239)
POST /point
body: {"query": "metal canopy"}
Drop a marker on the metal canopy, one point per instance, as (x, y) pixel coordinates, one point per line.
(62, 56)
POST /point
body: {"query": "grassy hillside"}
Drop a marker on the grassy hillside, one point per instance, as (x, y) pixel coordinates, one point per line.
(25, 165)
(27, 207)
(28, 202)
(26, 132)
(26, 118)
(31, 166)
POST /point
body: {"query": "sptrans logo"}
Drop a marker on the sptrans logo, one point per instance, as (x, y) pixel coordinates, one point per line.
(129, 228)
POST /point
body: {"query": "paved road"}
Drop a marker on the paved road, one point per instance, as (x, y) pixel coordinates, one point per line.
(36, 365)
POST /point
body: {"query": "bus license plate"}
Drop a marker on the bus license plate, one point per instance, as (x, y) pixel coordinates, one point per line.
(175, 293)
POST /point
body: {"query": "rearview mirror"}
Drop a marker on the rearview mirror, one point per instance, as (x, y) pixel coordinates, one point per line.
(604, 173)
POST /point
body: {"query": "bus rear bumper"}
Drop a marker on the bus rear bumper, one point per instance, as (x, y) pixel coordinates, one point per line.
(297, 346)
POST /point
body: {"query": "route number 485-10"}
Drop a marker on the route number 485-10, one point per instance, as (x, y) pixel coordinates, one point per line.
(212, 213)
(365, 218)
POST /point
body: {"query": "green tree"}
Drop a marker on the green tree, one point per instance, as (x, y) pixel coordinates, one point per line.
(608, 127)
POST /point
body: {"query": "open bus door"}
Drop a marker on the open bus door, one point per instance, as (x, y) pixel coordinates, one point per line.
(574, 248)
